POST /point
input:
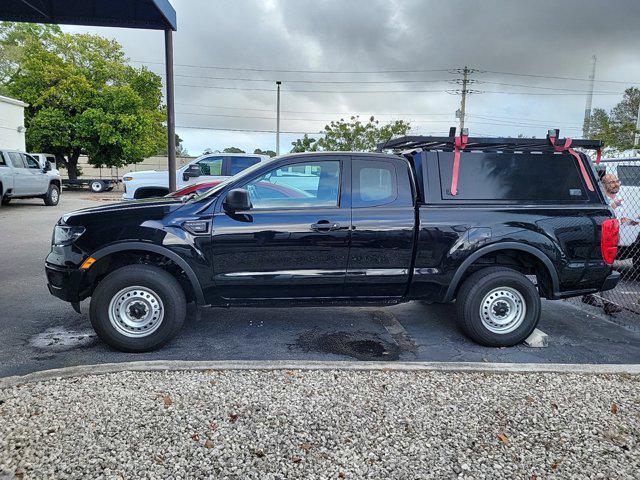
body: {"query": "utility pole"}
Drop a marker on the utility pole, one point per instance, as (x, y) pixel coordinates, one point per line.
(278, 120)
(465, 82)
(587, 107)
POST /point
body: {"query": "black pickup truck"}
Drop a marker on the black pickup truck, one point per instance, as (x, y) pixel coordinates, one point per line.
(493, 224)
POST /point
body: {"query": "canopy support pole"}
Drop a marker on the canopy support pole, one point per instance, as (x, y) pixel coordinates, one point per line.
(171, 113)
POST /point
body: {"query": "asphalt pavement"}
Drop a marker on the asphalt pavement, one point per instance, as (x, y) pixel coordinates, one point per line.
(41, 332)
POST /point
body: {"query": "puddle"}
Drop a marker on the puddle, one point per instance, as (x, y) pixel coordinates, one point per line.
(360, 345)
(59, 339)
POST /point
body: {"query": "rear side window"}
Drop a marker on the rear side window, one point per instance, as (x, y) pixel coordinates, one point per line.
(374, 183)
(238, 164)
(629, 175)
(3, 162)
(513, 177)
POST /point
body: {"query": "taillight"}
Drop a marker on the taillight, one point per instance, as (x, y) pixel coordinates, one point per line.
(609, 239)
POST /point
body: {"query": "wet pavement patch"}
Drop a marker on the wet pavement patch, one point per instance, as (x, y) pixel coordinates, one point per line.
(60, 339)
(359, 345)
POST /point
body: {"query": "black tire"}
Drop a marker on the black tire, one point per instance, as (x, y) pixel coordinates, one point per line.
(97, 186)
(6, 200)
(155, 280)
(473, 292)
(52, 197)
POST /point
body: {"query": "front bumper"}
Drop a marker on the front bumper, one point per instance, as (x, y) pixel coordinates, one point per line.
(67, 284)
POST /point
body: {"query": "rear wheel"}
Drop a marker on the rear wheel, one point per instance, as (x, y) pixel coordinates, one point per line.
(52, 196)
(498, 307)
(137, 308)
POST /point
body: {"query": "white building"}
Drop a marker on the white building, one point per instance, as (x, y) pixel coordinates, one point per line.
(12, 124)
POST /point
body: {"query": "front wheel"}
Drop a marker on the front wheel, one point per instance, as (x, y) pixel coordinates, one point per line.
(498, 307)
(52, 197)
(137, 308)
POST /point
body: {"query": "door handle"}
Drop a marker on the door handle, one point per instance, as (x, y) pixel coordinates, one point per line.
(324, 226)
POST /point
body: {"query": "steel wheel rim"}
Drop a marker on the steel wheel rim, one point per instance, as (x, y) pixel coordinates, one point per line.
(54, 195)
(96, 186)
(136, 312)
(502, 310)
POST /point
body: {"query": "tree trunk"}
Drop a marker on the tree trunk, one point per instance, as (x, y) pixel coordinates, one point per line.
(72, 164)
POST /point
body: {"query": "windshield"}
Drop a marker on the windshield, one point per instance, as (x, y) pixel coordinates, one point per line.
(215, 189)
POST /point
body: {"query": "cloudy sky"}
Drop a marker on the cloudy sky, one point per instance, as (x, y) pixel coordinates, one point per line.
(390, 58)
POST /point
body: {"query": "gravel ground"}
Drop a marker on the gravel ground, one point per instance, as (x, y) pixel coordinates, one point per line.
(323, 424)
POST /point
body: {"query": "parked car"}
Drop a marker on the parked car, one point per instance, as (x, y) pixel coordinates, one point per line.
(628, 172)
(261, 190)
(47, 158)
(22, 176)
(432, 224)
(218, 166)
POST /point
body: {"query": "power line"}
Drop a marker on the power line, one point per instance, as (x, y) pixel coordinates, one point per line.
(276, 70)
(245, 130)
(558, 77)
(454, 92)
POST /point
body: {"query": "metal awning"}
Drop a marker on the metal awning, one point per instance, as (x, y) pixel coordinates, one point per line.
(148, 14)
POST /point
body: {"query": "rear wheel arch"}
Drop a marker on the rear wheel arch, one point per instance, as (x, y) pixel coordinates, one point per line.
(546, 267)
(140, 249)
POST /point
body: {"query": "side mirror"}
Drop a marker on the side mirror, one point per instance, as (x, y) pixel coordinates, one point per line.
(47, 166)
(237, 200)
(192, 171)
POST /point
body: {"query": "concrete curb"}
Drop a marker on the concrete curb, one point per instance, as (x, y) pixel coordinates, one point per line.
(182, 365)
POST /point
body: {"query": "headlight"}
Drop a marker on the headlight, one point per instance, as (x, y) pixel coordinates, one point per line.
(66, 235)
(127, 179)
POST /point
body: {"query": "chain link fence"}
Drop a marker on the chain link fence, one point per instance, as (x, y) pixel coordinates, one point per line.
(624, 300)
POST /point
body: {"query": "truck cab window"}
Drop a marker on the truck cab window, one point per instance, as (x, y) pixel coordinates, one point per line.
(374, 183)
(303, 185)
(238, 164)
(30, 162)
(16, 160)
(211, 166)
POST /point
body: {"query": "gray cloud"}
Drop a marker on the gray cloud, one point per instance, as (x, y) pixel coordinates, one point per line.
(543, 37)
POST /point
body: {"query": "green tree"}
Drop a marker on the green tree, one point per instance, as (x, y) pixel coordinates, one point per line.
(258, 151)
(617, 128)
(352, 135)
(181, 151)
(304, 144)
(233, 150)
(83, 98)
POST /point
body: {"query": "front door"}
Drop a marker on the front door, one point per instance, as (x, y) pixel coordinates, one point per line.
(22, 178)
(383, 223)
(294, 242)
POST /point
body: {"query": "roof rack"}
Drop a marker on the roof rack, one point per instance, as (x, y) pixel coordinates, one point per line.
(484, 144)
(464, 143)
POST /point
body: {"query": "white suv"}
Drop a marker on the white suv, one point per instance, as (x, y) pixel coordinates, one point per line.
(206, 168)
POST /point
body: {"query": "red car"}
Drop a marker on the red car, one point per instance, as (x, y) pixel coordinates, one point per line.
(262, 190)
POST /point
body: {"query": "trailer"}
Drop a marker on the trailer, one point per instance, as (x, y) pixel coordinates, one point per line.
(96, 185)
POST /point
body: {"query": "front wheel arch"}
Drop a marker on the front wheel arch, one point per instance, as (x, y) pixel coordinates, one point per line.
(159, 250)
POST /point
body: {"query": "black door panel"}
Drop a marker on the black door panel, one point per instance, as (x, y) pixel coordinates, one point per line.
(383, 226)
(294, 242)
